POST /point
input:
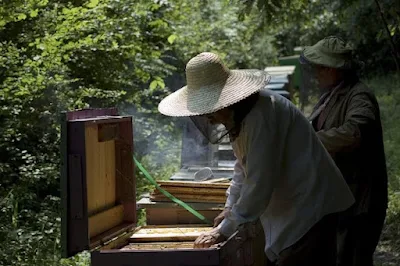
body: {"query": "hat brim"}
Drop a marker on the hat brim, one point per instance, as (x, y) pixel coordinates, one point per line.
(191, 102)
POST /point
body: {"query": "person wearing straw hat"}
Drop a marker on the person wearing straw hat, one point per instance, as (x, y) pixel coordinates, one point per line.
(283, 175)
(347, 121)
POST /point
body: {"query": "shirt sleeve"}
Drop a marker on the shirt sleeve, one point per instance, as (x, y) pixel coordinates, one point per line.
(359, 116)
(262, 168)
(233, 192)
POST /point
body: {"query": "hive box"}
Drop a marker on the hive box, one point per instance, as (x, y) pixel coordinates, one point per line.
(207, 197)
(99, 204)
(170, 213)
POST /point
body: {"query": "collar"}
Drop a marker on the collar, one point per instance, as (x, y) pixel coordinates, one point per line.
(326, 98)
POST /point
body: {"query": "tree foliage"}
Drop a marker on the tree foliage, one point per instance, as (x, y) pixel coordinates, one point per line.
(67, 54)
(63, 55)
(219, 28)
(358, 21)
(58, 56)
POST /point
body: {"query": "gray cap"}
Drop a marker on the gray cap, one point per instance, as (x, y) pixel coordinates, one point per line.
(331, 52)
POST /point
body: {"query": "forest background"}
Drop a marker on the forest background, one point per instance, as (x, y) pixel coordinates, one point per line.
(70, 54)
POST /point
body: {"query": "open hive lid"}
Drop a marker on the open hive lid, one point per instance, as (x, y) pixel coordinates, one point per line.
(97, 178)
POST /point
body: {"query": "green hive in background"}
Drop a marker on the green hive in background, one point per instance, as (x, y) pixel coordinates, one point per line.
(293, 60)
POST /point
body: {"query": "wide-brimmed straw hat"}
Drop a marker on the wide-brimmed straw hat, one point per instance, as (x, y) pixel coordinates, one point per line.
(331, 52)
(211, 86)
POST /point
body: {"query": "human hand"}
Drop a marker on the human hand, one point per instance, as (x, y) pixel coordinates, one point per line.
(208, 239)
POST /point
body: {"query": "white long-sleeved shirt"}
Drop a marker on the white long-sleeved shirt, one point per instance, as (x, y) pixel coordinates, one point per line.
(283, 175)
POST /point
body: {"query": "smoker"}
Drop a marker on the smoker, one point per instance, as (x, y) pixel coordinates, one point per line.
(99, 204)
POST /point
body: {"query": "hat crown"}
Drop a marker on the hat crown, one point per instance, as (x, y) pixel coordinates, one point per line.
(204, 70)
(334, 45)
(211, 86)
(331, 52)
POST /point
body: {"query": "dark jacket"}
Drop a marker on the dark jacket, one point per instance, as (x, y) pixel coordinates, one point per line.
(352, 133)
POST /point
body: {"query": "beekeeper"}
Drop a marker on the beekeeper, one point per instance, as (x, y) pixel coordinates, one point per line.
(347, 121)
(283, 174)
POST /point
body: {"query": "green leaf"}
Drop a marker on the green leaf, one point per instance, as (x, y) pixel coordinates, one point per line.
(34, 13)
(93, 3)
(21, 16)
(161, 83)
(392, 29)
(43, 3)
(154, 7)
(65, 11)
(153, 85)
(115, 44)
(172, 38)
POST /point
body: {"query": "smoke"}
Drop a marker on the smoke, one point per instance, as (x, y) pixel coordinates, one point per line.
(196, 150)
(166, 140)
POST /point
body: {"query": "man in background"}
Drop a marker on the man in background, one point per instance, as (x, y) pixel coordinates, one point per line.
(347, 121)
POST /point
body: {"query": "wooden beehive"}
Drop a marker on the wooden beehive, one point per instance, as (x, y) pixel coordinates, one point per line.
(99, 204)
(206, 197)
(191, 191)
(170, 213)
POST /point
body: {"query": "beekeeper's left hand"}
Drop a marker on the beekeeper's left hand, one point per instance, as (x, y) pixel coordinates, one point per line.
(209, 238)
